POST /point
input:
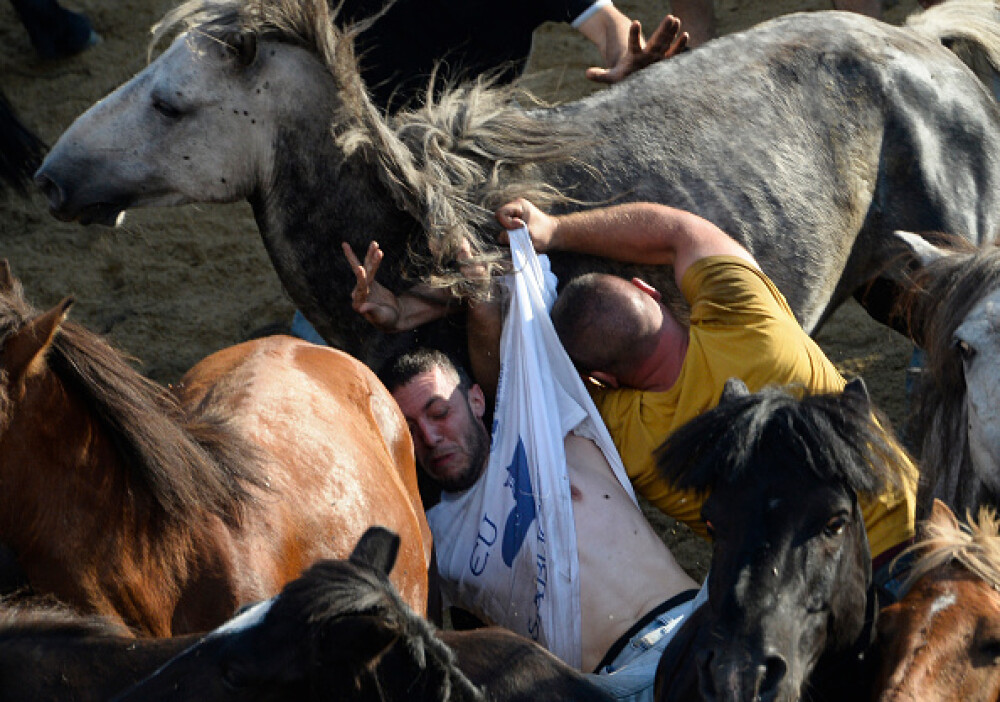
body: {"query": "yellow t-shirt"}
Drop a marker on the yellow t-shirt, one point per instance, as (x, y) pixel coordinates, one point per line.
(741, 326)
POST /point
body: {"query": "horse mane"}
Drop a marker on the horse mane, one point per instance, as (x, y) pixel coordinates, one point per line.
(331, 589)
(967, 28)
(976, 546)
(448, 164)
(939, 297)
(834, 436)
(47, 617)
(175, 460)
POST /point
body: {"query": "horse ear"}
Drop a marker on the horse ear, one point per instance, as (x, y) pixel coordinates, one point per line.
(29, 343)
(377, 548)
(734, 389)
(6, 277)
(942, 517)
(925, 251)
(857, 389)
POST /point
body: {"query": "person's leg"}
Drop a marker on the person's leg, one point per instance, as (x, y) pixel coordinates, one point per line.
(54, 31)
(697, 19)
(872, 8)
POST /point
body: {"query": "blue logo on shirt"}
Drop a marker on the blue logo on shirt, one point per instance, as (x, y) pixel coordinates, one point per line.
(520, 518)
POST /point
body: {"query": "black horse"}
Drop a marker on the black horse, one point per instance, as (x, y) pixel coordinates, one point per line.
(21, 151)
(791, 608)
(341, 632)
(49, 652)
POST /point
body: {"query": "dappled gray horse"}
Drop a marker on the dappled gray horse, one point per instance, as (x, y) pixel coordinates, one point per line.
(809, 138)
(953, 309)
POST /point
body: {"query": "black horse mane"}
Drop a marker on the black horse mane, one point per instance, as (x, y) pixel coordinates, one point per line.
(834, 436)
(175, 461)
(45, 617)
(340, 589)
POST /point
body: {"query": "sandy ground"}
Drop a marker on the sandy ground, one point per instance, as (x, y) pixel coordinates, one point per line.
(174, 285)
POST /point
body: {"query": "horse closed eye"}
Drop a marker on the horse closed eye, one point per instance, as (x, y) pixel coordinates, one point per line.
(986, 642)
(166, 109)
(964, 349)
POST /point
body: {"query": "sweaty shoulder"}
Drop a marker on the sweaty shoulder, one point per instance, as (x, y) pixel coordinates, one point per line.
(731, 290)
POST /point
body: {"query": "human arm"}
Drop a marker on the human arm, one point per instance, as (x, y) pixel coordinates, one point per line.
(622, 46)
(638, 232)
(422, 304)
(386, 311)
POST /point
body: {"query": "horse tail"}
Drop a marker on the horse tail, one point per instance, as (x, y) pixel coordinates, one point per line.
(20, 150)
(970, 29)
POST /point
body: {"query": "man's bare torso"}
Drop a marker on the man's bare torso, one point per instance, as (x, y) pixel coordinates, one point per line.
(625, 569)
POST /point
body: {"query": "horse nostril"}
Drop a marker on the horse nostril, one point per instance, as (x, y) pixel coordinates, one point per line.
(53, 193)
(770, 675)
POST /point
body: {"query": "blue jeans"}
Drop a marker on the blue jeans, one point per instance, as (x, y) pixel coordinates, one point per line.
(630, 676)
(304, 330)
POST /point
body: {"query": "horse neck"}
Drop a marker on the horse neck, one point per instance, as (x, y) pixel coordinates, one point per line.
(317, 197)
(849, 673)
(66, 512)
(947, 471)
(399, 677)
(54, 453)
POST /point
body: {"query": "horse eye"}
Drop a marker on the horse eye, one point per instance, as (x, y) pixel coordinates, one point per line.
(964, 349)
(990, 650)
(165, 109)
(233, 679)
(835, 526)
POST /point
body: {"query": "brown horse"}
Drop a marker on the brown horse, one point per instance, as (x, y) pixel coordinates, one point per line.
(942, 640)
(167, 508)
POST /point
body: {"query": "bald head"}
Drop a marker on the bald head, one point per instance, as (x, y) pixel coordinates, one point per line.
(606, 323)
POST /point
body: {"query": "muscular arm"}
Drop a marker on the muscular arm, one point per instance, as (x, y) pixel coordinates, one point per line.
(641, 232)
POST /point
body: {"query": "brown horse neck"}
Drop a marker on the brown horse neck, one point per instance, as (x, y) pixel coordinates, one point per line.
(66, 511)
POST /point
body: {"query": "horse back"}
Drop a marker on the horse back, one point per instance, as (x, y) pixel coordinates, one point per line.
(809, 139)
(335, 448)
(511, 668)
(80, 660)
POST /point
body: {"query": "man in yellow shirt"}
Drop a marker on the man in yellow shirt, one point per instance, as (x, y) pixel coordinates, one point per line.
(655, 373)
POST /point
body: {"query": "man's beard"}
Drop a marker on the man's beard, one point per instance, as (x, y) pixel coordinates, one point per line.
(478, 442)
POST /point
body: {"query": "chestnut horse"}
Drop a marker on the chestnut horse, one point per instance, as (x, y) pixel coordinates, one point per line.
(168, 508)
(942, 640)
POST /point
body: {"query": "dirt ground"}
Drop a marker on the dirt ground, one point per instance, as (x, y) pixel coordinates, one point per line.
(173, 285)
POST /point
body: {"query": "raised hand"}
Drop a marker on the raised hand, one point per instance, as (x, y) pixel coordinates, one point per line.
(370, 299)
(665, 42)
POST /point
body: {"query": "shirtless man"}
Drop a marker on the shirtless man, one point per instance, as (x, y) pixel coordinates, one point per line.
(631, 587)
(633, 593)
